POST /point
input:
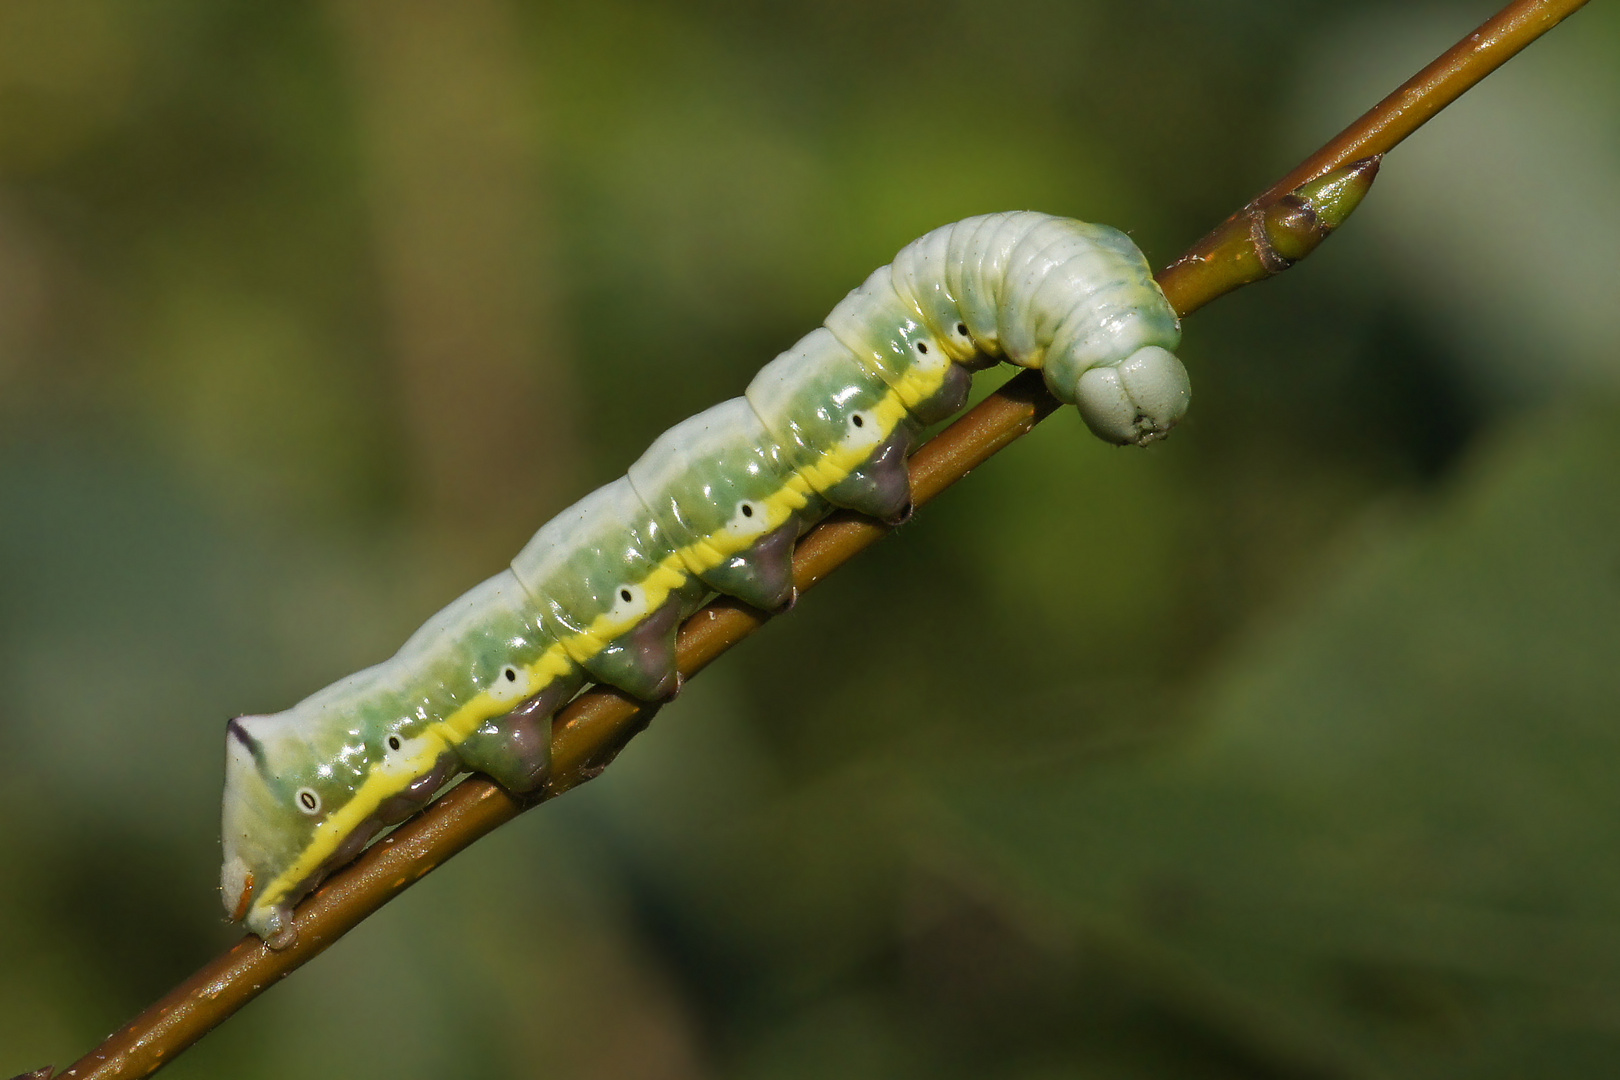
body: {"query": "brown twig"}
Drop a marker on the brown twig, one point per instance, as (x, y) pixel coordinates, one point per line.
(596, 726)
(1380, 129)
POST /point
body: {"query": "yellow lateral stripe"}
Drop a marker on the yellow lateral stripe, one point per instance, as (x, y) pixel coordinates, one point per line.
(833, 466)
(702, 557)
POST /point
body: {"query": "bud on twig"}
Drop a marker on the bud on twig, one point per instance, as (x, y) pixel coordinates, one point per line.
(1266, 238)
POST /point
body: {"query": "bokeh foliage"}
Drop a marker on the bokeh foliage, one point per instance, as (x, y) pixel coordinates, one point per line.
(1281, 749)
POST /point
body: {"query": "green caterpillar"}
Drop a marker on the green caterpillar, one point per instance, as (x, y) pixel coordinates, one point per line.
(714, 505)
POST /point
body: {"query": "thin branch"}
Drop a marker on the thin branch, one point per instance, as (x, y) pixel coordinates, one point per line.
(1380, 129)
(591, 731)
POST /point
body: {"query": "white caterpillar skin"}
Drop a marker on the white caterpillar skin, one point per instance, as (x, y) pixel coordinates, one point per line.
(713, 506)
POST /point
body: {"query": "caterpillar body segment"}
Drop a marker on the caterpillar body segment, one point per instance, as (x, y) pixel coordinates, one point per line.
(703, 480)
(597, 572)
(714, 505)
(845, 431)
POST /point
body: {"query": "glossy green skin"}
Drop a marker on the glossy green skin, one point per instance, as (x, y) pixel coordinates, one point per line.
(714, 505)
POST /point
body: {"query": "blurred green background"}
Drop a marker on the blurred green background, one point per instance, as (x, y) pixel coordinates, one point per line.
(1286, 748)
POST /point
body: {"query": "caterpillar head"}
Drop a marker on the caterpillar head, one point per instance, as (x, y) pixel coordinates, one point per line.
(1137, 400)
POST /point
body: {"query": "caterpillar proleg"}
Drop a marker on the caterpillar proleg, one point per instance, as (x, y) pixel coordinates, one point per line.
(714, 505)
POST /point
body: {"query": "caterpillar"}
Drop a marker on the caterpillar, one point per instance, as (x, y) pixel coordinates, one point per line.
(715, 505)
